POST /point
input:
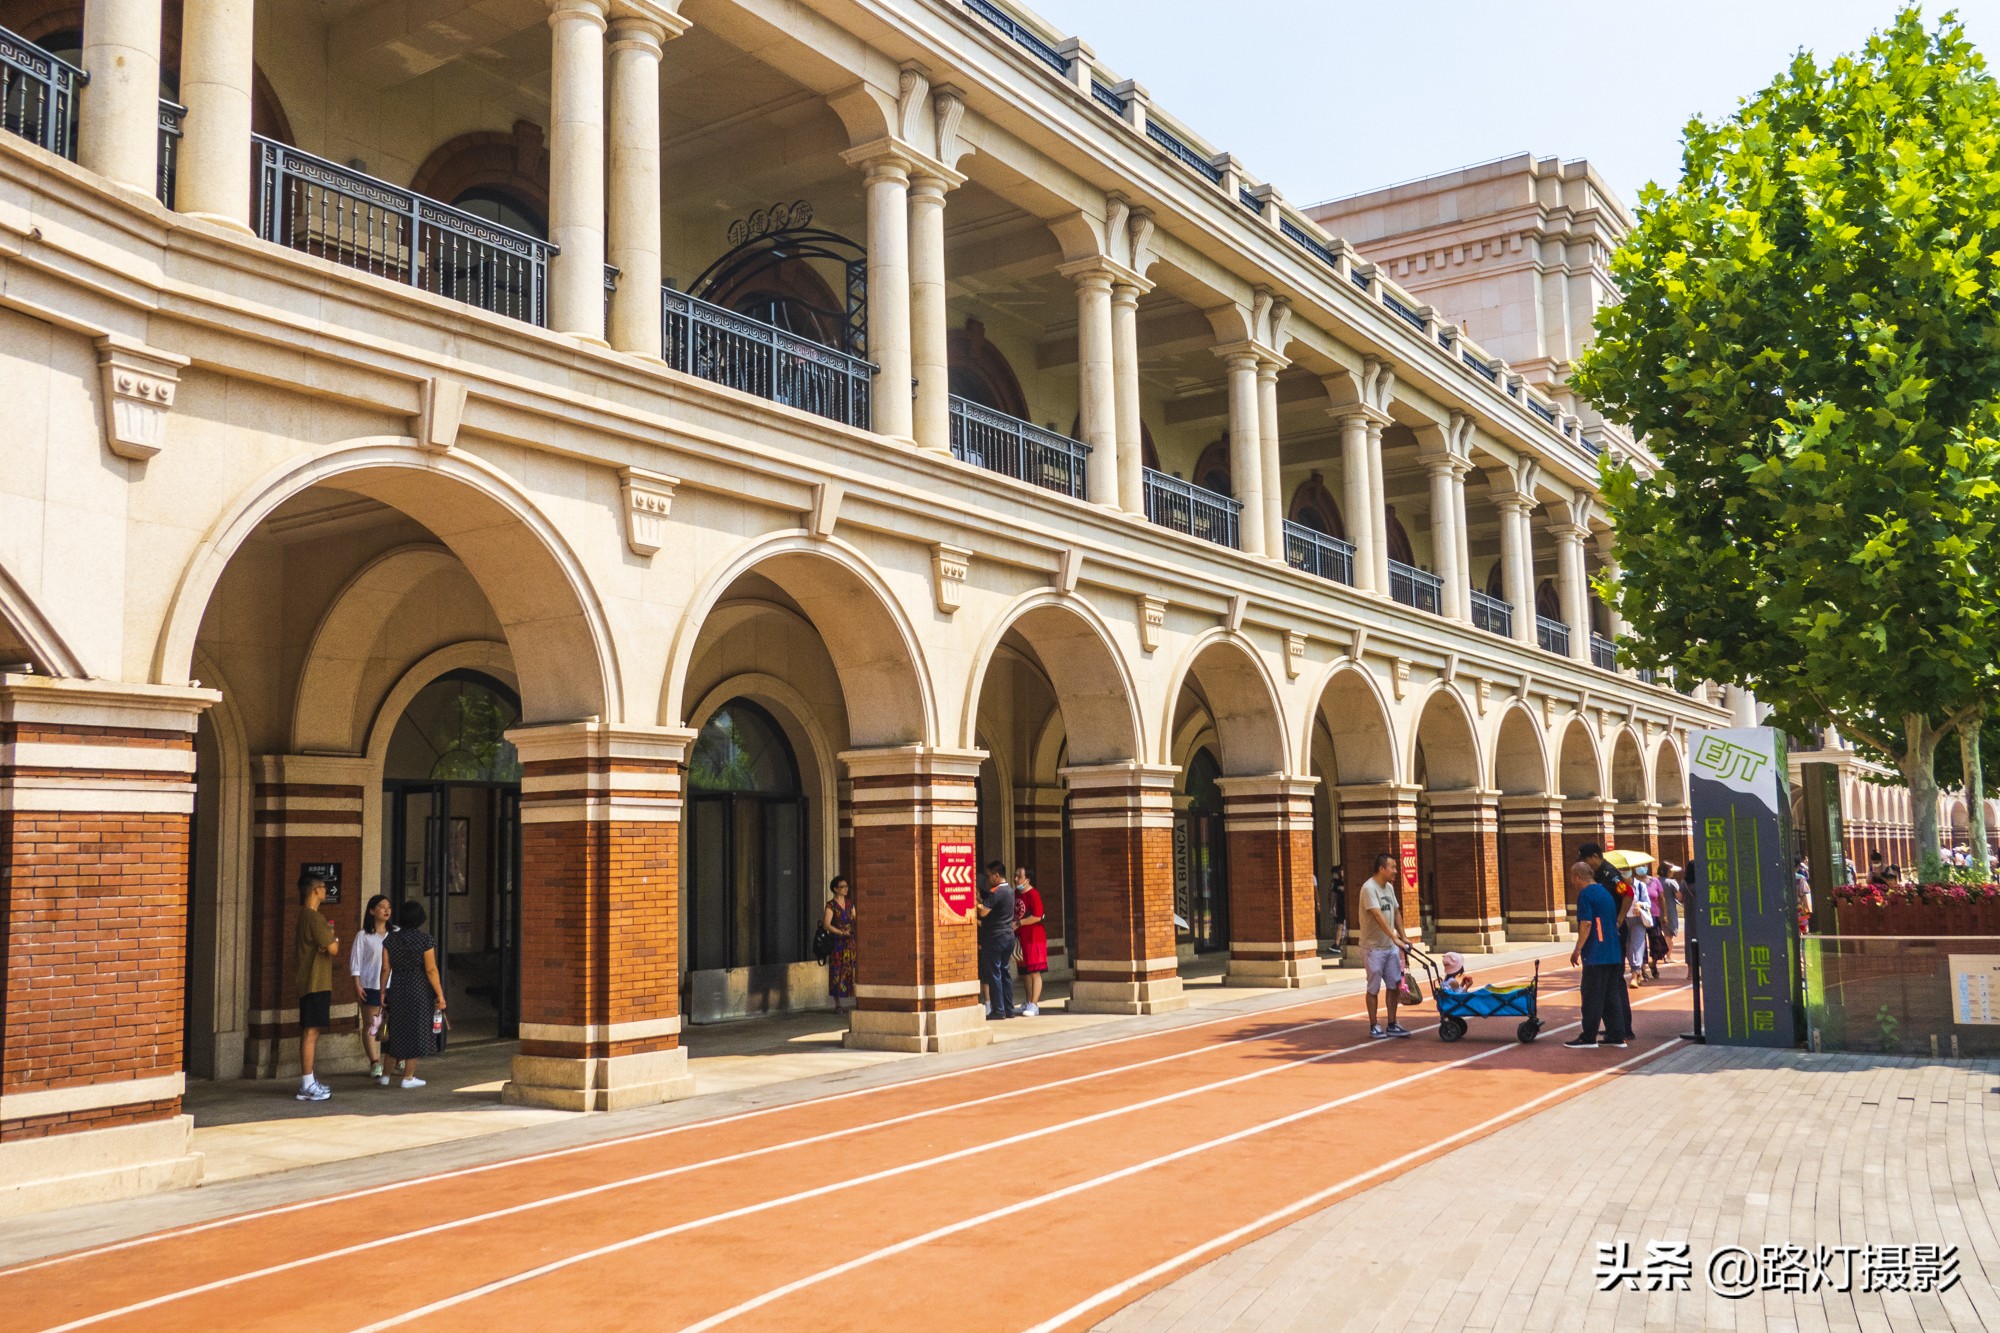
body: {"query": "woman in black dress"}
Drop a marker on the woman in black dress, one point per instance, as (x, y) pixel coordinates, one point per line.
(415, 997)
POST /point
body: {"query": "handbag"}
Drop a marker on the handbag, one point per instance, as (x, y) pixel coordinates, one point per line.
(1412, 993)
(822, 945)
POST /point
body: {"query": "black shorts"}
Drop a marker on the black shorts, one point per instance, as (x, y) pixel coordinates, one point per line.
(316, 1009)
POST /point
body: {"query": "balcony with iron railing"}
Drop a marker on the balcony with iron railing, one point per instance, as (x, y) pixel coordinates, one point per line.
(749, 355)
(1492, 614)
(1552, 634)
(1319, 554)
(1194, 510)
(1415, 587)
(1603, 652)
(40, 95)
(1016, 448)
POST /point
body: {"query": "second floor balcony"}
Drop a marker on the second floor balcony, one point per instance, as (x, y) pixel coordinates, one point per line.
(1552, 635)
(989, 438)
(1194, 510)
(1416, 587)
(1319, 554)
(1491, 614)
(1603, 652)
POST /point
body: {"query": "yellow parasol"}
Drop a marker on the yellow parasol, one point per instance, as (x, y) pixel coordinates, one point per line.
(1625, 860)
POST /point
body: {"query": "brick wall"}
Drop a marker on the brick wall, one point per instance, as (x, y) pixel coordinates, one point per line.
(1121, 841)
(296, 821)
(1531, 840)
(1465, 842)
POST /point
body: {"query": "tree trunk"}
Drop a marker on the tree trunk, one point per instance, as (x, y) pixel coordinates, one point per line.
(1975, 794)
(1920, 775)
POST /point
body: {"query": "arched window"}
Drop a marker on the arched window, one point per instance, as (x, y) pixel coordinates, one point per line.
(981, 373)
(1397, 540)
(502, 177)
(747, 899)
(781, 270)
(1205, 903)
(455, 731)
(1211, 470)
(1313, 507)
(1548, 601)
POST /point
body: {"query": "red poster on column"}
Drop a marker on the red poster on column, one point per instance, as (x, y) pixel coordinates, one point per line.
(956, 877)
(1409, 859)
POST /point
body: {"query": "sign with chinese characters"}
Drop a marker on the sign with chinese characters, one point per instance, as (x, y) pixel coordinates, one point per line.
(1975, 988)
(1742, 913)
(957, 877)
(327, 872)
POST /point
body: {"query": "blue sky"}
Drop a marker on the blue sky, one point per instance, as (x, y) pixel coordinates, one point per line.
(1324, 99)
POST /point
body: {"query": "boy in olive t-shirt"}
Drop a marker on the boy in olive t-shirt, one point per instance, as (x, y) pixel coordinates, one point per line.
(314, 947)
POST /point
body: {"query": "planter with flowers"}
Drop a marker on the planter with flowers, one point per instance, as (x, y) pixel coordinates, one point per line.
(1918, 909)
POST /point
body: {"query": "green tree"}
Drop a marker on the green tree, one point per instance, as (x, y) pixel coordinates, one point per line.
(1809, 342)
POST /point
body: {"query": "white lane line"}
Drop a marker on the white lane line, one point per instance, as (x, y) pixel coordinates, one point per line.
(802, 1196)
(1123, 1173)
(362, 1247)
(1327, 1195)
(370, 1191)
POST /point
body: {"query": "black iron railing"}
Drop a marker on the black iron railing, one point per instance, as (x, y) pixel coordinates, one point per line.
(1492, 614)
(1303, 240)
(1016, 448)
(337, 213)
(1542, 410)
(1414, 587)
(38, 95)
(1106, 98)
(1404, 312)
(1195, 510)
(1183, 152)
(1552, 634)
(1024, 36)
(1318, 554)
(762, 359)
(1647, 675)
(1603, 652)
(171, 115)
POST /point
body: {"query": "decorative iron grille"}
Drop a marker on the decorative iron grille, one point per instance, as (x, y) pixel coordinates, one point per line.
(757, 358)
(1018, 449)
(1195, 510)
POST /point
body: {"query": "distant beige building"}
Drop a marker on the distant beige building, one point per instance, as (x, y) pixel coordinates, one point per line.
(598, 469)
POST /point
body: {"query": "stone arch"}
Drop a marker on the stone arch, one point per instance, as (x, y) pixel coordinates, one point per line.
(512, 165)
(492, 659)
(1242, 698)
(1350, 702)
(26, 634)
(557, 633)
(1313, 506)
(1579, 768)
(1520, 759)
(982, 373)
(1449, 741)
(221, 857)
(866, 631)
(816, 752)
(1669, 774)
(1628, 768)
(1093, 688)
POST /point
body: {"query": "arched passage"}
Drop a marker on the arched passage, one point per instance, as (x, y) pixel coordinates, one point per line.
(1670, 791)
(1636, 818)
(1356, 804)
(1458, 844)
(1531, 820)
(1586, 813)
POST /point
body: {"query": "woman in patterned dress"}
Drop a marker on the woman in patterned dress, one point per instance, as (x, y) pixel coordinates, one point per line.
(839, 922)
(415, 998)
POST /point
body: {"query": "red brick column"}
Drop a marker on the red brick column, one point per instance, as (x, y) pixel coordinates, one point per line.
(1637, 827)
(1122, 832)
(1531, 838)
(306, 810)
(1585, 819)
(916, 961)
(1273, 930)
(1676, 835)
(1375, 818)
(1038, 831)
(96, 791)
(1465, 840)
(600, 917)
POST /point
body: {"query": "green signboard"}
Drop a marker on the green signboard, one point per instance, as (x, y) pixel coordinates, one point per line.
(1742, 915)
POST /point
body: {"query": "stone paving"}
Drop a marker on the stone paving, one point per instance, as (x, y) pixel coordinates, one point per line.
(1706, 1146)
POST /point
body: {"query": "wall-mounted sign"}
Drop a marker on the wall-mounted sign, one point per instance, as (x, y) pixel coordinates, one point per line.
(1742, 915)
(957, 877)
(329, 872)
(1975, 988)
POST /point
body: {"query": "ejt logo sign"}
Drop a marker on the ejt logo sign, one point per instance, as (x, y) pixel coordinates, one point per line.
(957, 873)
(1726, 762)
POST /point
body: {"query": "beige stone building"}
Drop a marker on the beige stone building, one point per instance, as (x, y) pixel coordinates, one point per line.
(599, 469)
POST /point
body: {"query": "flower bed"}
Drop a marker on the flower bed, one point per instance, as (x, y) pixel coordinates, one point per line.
(1918, 909)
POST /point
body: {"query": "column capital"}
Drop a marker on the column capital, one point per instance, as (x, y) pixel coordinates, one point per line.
(1269, 784)
(1269, 364)
(896, 761)
(1513, 502)
(1120, 773)
(891, 158)
(1359, 414)
(1093, 269)
(1241, 354)
(639, 20)
(589, 11)
(1127, 290)
(1569, 532)
(93, 703)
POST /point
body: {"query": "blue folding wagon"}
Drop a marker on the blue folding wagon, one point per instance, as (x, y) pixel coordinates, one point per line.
(1509, 999)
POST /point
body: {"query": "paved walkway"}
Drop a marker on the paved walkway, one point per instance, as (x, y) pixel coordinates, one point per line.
(1706, 1146)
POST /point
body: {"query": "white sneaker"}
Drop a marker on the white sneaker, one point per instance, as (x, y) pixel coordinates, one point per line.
(313, 1092)
(383, 1079)
(413, 1083)
(1030, 1010)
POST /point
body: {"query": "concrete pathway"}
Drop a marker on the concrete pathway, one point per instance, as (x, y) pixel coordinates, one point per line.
(1705, 1146)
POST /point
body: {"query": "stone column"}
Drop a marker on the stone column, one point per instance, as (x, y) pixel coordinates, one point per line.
(1273, 930)
(1572, 583)
(576, 167)
(1742, 707)
(1638, 827)
(96, 793)
(1517, 564)
(1122, 834)
(1271, 459)
(1125, 370)
(306, 809)
(1097, 398)
(1246, 445)
(1375, 818)
(1038, 830)
(929, 324)
(600, 917)
(1461, 529)
(887, 183)
(1465, 840)
(212, 170)
(1378, 503)
(633, 234)
(916, 961)
(1446, 535)
(1537, 860)
(1585, 819)
(118, 124)
(1364, 517)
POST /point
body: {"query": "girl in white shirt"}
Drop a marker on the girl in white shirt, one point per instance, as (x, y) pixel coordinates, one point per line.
(370, 968)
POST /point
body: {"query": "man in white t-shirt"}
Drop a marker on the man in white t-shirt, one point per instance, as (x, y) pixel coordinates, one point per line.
(1382, 940)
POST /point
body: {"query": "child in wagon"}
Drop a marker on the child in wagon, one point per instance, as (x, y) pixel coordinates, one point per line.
(1456, 978)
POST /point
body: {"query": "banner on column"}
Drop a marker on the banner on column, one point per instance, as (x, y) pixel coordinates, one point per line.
(957, 877)
(1742, 915)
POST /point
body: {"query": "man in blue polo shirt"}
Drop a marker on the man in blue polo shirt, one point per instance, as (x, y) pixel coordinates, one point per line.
(1605, 999)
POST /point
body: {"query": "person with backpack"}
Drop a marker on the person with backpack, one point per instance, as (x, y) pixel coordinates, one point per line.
(1638, 921)
(838, 922)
